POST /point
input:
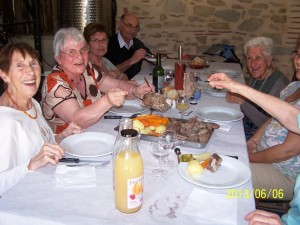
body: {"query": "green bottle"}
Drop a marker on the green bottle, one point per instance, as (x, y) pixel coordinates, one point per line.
(158, 74)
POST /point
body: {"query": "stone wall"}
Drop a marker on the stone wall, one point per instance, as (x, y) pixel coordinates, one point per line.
(197, 24)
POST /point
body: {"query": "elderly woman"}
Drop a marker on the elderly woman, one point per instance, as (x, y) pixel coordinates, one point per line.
(274, 152)
(264, 78)
(96, 37)
(27, 142)
(75, 91)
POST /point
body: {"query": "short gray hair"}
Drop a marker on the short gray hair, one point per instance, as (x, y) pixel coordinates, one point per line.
(62, 35)
(265, 42)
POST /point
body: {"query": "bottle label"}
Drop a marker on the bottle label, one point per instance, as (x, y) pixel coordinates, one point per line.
(135, 192)
(160, 82)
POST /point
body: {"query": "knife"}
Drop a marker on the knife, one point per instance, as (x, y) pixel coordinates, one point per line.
(76, 160)
(116, 117)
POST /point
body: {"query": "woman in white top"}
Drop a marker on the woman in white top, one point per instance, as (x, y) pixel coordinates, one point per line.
(27, 142)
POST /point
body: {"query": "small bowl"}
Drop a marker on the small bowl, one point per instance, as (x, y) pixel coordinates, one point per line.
(197, 66)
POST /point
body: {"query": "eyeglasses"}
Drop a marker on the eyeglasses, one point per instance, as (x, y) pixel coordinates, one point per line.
(295, 54)
(130, 27)
(102, 41)
(74, 53)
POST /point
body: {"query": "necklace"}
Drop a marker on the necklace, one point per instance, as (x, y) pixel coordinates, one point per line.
(22, 110)
(262, 83)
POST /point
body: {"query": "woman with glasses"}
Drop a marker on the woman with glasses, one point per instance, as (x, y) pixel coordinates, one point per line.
(96, 37)
(124, 49)
(75, 91)
(264, 78)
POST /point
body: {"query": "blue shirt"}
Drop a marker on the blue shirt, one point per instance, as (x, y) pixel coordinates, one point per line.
(293, 215)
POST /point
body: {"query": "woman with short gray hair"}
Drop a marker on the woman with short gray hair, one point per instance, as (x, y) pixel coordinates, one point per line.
(264, 78)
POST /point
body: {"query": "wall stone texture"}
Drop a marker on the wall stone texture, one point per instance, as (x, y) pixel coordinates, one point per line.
(197, 24)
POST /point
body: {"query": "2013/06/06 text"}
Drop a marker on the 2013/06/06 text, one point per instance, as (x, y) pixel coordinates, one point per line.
(256, 193)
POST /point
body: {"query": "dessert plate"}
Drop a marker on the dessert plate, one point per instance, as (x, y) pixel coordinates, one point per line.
(231, 173)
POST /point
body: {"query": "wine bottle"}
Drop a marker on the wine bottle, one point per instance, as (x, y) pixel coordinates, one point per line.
(158, 74)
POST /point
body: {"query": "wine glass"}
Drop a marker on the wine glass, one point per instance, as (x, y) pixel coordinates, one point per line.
(166, 143)
(182, 105)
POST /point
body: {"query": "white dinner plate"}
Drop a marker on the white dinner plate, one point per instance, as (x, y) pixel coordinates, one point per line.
(153, 59)
(221, 114)
(215, 92)
(128, 108)
(231, 173)
(88, 144)
(229, 72)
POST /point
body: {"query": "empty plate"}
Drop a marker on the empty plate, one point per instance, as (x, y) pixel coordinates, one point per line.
(221, 114)
(88, 144)
(128, 108)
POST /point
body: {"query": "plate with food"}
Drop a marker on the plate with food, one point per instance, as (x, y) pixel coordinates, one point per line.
(88, 144)
(128, 108)
(197, 63)
(220, 114)
(217, 171)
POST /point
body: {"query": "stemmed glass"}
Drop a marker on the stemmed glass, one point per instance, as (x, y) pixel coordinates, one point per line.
(166, 143)
(183, 103)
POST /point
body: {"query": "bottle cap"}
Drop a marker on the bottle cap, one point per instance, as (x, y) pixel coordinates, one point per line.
(129, 133)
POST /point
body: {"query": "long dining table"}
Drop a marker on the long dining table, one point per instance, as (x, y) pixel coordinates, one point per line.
(39, 200)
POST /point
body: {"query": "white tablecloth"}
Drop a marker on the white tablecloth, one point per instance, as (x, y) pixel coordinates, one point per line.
(38, 201)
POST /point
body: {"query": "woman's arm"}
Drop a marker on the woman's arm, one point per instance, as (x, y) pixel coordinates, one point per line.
(272, 105)
(278, 153)
(70, 111)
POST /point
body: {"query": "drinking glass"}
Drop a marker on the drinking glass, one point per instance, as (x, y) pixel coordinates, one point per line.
(182, 105)
(166, 143)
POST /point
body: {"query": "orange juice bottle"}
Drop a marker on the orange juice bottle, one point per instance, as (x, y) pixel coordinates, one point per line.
(129, 173)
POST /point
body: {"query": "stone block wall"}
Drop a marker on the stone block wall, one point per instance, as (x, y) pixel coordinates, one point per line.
(197, 24)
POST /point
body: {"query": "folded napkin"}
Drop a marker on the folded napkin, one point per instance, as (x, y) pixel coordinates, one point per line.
(224, 126)
(75, 177)
(211, 209)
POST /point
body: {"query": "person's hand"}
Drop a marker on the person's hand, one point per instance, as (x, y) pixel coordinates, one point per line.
(50, 153)
(114, 73)
(138, 55)
(116, 96)
(260, 217)
(71, 129)
(234, 98)
(251, 146)
(221, 80)
(144, 88)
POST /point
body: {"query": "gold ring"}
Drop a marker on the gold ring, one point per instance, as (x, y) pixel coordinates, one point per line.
(52, 157)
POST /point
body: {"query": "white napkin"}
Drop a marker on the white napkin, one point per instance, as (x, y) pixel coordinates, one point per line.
(75, 177)
(210, 209)
(224, 126)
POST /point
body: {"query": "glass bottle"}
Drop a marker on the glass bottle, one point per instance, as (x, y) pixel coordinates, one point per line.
(179, 71)
(125, 123)
(158, 74)
(129, 173)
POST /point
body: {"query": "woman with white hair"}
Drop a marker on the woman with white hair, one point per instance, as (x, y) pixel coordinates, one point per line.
(264, 78)
(75, 91)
